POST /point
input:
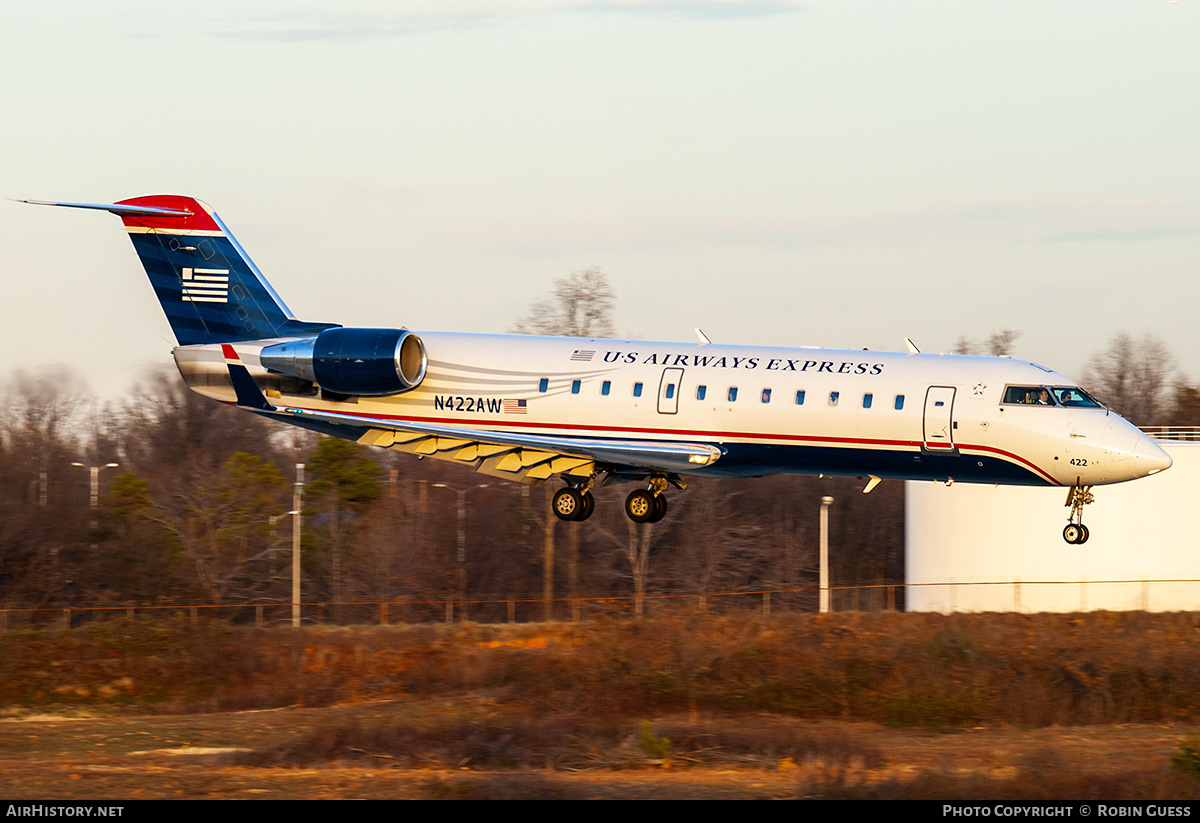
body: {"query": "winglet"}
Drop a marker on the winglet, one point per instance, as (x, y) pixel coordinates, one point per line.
(249, 395)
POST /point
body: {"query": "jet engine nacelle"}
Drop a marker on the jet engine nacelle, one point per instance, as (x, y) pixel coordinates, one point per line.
(371, 362)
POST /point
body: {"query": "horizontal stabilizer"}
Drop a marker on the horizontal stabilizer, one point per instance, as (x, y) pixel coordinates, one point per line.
(115, 208)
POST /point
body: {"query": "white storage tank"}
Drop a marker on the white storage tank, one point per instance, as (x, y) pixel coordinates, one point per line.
(986, 548)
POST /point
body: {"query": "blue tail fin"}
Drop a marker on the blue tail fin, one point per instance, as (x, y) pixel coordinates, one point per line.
(208, 286)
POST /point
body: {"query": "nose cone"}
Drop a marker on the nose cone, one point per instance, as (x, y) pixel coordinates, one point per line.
(1149, 458)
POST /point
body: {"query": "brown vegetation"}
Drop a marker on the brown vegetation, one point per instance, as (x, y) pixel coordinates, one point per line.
(849, 705)
(904, 670)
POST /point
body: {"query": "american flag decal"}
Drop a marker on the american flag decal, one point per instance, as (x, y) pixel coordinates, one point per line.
(515, 407)
(583, 356)
(205, 285)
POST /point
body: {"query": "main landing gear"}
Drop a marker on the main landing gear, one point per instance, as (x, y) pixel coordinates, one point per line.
(572, 504)
(1075, 532)
(649, 505)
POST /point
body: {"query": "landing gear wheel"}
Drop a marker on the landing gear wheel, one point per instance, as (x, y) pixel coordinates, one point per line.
(1076, 534)
(1078, 496)
(589, 506)
(641, 507)
(567, 504)
(660, 507)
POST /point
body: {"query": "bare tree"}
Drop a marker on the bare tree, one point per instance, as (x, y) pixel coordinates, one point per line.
(580, 306)
(1133, 376)
(997, 345)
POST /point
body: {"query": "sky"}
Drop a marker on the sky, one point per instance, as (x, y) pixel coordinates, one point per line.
(842, 173)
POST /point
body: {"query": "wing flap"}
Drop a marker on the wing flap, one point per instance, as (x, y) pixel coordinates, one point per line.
(518, 455)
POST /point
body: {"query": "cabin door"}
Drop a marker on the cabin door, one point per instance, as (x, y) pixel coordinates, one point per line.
(939, 419)
(668, 391)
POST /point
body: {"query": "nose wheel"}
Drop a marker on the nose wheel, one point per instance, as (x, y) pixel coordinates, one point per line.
(1075, 532)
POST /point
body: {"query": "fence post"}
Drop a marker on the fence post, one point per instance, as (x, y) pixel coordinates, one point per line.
(766, 604)
(512, 610)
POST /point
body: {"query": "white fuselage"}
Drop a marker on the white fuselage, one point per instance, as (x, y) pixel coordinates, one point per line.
(768, 410)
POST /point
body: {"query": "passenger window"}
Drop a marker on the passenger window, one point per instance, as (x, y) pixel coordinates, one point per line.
(575, 387)
(766, 396)
(800, 397)
(606, 387)
(701, 391)
(899, 402)
(732, 393)
(670, 390)
(867, 398)
(637, 389)
(833, 398)
(543, 384)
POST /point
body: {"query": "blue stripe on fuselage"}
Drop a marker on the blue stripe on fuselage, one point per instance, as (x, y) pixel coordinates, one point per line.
(755, 460)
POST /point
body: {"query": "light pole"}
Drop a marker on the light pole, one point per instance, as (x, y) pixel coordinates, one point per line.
(462, 538)
(297, 500)
(824, 559)
(95, 501)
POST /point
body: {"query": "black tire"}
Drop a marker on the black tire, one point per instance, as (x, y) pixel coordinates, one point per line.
(567, 504)
(640, 506)
(1074, 534)
(585, 510)
(1084, 537)
(660, 507)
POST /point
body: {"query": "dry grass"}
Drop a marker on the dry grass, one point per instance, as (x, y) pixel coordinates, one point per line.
(896, 669)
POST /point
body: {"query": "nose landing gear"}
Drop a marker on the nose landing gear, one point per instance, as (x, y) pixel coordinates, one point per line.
(1075, 532)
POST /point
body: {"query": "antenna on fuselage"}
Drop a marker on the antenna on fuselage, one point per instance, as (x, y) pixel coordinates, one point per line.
(912, 347)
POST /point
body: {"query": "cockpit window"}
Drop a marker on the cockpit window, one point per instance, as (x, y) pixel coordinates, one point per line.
(1070, 396)
(1075, 397)
(1029, 396)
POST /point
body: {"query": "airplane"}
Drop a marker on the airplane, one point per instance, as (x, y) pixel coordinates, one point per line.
(591, 411)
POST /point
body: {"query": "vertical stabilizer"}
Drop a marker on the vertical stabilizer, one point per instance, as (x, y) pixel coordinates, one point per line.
(208, 286)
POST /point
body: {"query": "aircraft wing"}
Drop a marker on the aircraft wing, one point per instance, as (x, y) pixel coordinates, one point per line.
(522, 456)
(514, 455)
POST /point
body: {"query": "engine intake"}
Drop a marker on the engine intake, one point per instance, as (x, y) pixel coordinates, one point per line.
(370, 362)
